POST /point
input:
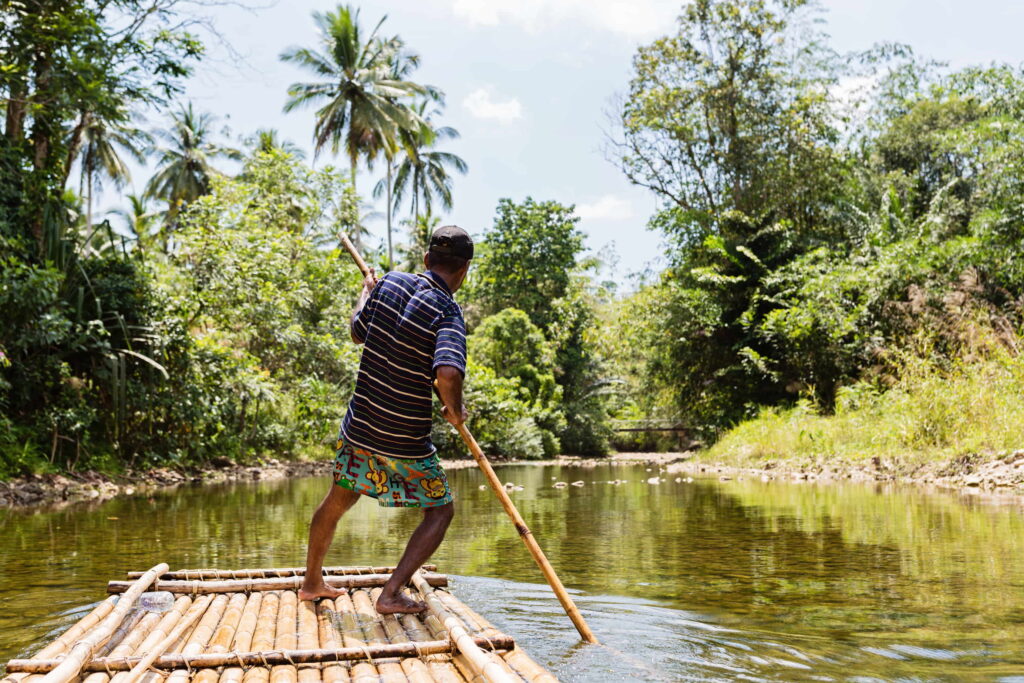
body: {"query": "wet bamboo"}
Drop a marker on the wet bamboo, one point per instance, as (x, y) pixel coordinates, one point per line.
(488, 669)
(441, 667)
(126, 626)
(515, 657)
(309, 639)
(268, 572)
(263, 638)
(70, 636)
(286, 638)
(195, 611)
(163, 627)
(415, 669)
(283, 583)
(446, 600)
(86, 646)
(334, 672)
(462, 664)
(126, 647)
(363, 671)
(390, 670)
(224, 635)
(243, 636)
(201, 636)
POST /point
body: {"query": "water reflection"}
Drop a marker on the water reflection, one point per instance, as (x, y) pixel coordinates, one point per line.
(706, 580)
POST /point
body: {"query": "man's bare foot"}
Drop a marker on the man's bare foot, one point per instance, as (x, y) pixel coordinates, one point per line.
(320, 590)
(399, 604)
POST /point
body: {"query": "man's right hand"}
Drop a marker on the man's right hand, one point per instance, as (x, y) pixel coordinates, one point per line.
(455, 418)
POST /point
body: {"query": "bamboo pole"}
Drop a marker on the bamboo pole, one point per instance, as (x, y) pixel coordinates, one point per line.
(243, 636)
(499, 490)
(212, 660)
(284, 583)
(201, 637)
(127, 647)
(267, 572)
(474, 631)
(87, 645)
(196, 610)
(415, 669)
(224, 635)
(390, 670)
(286, 638)
(519, 661)
(335, 672)
(524, 532)
(463, 666)
(363, 671)
(441, 667)
(309, 639)
(263, 638)
(489, 670)
(126, 626)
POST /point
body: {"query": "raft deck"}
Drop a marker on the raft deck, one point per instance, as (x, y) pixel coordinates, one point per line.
(248, 626)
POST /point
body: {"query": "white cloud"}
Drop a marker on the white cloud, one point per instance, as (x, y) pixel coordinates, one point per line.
(608, 207)
(632, 18)
(481, 105)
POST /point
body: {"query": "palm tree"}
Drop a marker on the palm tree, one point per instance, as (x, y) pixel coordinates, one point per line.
(360, 101)
(101, 140)
(420, 229)
(268, 139)
(139, 221)
(423, 171)
(184, 166)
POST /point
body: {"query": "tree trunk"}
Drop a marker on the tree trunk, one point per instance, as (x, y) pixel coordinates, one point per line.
(88, 202)
(391, 263)
(15, 124)
(74, 144)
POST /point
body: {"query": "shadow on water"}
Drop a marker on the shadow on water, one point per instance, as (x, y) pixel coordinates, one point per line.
(706, 580)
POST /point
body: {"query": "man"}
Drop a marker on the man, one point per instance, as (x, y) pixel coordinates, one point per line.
(413, 333)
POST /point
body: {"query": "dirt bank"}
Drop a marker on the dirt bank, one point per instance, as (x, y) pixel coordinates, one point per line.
(988, 474)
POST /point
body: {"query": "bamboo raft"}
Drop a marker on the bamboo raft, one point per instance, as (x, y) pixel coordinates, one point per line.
(248, 626)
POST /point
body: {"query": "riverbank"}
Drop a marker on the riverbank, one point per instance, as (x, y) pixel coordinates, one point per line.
(985, 474)
(55, 490)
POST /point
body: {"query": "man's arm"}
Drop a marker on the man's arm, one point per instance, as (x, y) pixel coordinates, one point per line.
(369, 282)
(449, 389)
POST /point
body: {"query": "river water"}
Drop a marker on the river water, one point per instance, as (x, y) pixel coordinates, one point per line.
(700, 580)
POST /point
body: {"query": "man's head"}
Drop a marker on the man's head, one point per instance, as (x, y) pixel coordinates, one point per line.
(451, 250)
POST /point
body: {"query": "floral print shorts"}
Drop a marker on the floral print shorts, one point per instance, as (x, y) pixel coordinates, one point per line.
(394, 482)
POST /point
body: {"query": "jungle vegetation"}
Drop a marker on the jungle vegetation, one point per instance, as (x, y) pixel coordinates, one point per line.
(843, 233)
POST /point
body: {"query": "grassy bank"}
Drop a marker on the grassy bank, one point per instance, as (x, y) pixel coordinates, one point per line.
(934, 411)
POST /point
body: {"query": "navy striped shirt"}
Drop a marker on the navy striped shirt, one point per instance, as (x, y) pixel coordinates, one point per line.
(410, 325)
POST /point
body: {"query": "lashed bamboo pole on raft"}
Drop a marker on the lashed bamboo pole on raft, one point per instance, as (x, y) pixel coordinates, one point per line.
(499, 490)
(84, 649)
(482, 665)
(267, 572)
(196, 611)
(285, 583)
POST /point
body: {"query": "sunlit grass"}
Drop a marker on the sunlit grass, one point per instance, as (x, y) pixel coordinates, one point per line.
(935, 411)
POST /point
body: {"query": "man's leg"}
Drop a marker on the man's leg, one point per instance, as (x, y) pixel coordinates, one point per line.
(422, 544)
(321, 532)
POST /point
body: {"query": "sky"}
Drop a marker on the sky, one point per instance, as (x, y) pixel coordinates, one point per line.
(529, 84)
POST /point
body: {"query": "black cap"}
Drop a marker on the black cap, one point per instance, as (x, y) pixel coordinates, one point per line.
(451, 240)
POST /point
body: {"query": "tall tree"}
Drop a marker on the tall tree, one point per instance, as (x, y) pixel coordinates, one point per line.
(423, 174)
(362, 104)
(103, 141)
(138, 220)
(269, 139)
(185, 162)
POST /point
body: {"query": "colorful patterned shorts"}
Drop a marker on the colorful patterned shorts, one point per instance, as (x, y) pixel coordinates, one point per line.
(394, 482)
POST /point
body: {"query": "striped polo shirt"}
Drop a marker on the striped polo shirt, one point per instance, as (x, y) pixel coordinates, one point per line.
(410, 325)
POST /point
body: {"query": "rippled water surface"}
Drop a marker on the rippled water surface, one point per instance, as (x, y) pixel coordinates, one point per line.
(706, 580)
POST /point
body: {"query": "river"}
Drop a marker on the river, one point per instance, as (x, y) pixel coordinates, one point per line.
(681, 580)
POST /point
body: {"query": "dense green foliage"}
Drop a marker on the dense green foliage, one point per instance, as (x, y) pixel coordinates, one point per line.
(829, 248)
(813, 238)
